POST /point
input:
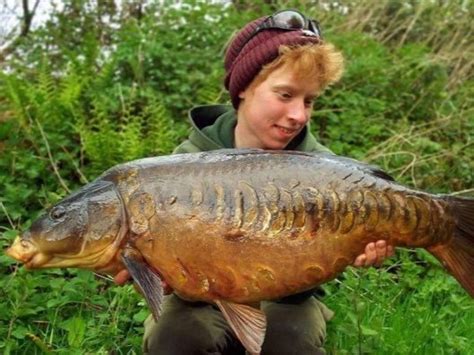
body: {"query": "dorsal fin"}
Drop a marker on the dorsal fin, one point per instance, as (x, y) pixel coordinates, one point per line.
(345, 161)
(370, 169)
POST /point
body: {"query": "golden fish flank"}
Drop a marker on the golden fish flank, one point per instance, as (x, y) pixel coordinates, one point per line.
(237, 227)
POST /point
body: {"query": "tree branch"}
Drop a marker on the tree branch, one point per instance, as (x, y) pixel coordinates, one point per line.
(26, 21)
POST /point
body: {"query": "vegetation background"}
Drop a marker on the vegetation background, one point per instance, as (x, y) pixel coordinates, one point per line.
(100, 83)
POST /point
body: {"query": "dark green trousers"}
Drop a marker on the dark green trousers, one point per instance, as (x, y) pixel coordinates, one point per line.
(295, 325)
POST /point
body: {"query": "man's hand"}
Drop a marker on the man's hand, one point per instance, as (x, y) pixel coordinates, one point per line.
(123, 276)
(375, 254)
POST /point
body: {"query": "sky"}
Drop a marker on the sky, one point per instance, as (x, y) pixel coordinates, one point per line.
(11, 12)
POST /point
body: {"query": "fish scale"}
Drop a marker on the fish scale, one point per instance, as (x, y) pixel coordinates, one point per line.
(280, 213)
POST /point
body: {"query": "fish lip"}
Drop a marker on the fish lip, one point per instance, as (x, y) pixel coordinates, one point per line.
(37, 260)
(22, 250)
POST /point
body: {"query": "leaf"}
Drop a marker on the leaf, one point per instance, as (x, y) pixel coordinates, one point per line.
(20, 332)
(10, 234)
(54, 302)
(367, 331)
(76, 328)
(141, 315)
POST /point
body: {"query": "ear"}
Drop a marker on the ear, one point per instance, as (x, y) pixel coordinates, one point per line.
(242, 94)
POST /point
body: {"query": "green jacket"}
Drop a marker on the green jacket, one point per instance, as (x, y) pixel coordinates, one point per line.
(213, 128)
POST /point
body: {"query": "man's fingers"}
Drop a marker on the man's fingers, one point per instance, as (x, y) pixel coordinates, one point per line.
(122, 277)
(381, 252)
(374, 254)
(371, 254)
(360, 261)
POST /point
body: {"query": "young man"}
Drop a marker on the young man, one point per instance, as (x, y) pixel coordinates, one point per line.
(275, 68)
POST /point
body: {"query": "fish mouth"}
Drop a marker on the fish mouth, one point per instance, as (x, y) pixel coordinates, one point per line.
(26, 252)
(29, 254)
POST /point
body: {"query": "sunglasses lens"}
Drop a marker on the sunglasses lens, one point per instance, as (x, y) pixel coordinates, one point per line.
(289, 20)
(314, 27)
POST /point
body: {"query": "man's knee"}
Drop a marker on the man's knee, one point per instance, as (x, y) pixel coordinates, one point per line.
(173, 339)
(295, 327)
(187, 328)
(289, 339)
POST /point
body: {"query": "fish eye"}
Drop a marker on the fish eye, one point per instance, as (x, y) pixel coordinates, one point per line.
(57, 213)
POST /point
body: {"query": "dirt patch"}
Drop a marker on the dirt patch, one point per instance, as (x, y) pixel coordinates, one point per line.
(6, 116)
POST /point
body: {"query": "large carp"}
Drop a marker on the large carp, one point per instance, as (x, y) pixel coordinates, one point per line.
(237, 227)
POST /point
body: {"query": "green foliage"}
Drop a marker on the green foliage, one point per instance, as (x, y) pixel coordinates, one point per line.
(118, 89)
(66, 311)
(141, 127)
(407, 307)
(404, 118)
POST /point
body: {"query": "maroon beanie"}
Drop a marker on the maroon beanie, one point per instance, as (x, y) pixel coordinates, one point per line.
(244, 60)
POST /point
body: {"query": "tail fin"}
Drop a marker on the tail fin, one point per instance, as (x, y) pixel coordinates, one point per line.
(458, 256)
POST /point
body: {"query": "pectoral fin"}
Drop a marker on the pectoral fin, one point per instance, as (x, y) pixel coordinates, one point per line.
(248, 323)
(146, 279)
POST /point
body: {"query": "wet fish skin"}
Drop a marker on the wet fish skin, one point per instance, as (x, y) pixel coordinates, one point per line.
(249, 230)
(263, 234)
(237, 227)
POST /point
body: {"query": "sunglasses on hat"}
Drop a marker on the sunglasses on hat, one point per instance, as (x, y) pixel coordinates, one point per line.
(290, 20)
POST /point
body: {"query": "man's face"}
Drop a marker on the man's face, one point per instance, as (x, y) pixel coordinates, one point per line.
(272, 113)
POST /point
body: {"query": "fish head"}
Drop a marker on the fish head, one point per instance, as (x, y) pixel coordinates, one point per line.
(84, 230)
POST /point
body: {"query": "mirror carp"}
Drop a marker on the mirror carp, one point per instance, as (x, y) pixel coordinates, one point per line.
(234, 227)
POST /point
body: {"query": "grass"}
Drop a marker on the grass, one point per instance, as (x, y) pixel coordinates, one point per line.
(410, 306)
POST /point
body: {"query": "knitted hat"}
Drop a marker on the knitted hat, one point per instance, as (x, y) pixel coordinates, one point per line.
(244, 60)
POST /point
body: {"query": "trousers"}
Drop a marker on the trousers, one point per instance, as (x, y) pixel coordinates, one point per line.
(295, 325)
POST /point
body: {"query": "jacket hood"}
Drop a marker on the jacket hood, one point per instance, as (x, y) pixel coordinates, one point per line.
(213, 126)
